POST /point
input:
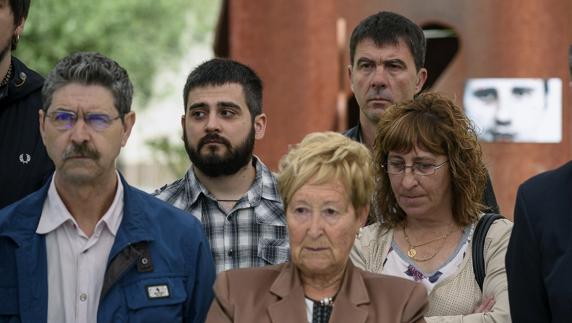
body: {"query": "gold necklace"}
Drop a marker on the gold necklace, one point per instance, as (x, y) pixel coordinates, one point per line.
(411, 253)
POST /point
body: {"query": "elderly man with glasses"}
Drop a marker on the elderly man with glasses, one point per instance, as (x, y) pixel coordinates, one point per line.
(88, 247)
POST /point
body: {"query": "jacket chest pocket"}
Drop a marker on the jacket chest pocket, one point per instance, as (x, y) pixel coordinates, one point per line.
(160, 299)
(273, 251)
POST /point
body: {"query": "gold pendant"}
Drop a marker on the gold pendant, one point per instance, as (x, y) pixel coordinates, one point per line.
(411, 253)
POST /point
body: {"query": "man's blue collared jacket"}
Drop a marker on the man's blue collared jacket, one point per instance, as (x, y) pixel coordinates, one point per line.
(160, 268)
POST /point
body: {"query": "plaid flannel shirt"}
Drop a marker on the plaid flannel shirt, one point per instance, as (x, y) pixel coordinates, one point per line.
(252, 234)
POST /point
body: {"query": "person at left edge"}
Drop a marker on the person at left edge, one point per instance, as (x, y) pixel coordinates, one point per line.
(25, 163)
(88, 247)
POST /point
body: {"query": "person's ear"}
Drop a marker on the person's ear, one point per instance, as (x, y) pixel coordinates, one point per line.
(259, 126)
(128, 122)
(421, 79)
(42, 116)
(183, 119)
(20, 27)
(350, 77)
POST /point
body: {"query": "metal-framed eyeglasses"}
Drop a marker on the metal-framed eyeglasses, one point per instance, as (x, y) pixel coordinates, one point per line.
(417, 168)
(65, 120)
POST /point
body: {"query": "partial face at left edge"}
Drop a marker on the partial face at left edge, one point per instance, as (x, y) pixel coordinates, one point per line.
(8, 28)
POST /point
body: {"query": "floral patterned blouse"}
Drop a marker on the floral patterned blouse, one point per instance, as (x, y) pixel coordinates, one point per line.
(397, 263)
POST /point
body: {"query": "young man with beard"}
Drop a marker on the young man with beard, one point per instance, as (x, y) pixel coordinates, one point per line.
(387, 59)
(227, 188)
(87, 246)
(25, 163)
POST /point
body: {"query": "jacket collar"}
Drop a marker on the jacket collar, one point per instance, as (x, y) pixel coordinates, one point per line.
(263, 187)
(23, 82)
(288, 287)
(353, 293)
(354, 133)
(25, 216)
(19, 222)
(135, 226)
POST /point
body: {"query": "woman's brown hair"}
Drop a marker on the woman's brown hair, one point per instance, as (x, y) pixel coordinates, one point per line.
(433, 123)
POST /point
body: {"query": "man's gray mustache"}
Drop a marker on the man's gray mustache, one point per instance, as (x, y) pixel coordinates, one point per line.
(80, 151)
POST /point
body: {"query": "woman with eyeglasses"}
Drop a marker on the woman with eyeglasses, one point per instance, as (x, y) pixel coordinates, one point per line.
(431, 177)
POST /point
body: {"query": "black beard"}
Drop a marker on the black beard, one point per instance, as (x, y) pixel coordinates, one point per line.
(213, 165)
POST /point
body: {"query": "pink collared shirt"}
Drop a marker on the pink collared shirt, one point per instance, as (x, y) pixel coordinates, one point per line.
(76, 262)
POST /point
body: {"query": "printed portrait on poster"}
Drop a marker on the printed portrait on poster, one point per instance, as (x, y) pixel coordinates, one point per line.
(515, 109)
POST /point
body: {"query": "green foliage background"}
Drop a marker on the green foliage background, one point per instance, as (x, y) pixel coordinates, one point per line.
(171, 154)
(141, 35)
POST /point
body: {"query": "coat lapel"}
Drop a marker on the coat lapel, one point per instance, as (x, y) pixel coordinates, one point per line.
(288, 287)
(135, 226)
(352, 294)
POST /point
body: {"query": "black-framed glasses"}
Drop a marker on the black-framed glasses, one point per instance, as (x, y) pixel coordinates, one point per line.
(64, 120)
(418, 168)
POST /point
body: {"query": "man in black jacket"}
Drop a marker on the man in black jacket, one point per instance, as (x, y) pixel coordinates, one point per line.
(23, 159)
(539, 255)
(387, 58)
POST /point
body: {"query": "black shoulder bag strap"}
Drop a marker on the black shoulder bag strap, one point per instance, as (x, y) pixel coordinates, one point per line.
(479, 245)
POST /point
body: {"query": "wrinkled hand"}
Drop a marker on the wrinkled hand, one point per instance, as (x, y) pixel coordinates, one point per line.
(486, 305)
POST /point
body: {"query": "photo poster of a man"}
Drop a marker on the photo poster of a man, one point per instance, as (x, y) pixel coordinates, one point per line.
(515, 109)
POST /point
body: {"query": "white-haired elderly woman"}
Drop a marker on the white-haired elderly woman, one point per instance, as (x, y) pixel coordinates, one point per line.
(326, 184)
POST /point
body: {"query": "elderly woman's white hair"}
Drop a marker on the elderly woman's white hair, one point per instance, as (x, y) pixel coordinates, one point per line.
(325, 156)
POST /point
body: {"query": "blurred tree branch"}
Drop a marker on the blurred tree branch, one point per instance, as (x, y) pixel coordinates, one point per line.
(173, 155)
(144, 36)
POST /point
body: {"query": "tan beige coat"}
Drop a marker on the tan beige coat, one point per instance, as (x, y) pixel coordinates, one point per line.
(275, 294)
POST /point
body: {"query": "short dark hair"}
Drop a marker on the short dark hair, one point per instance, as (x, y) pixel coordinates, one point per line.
(20, 9)
(388, 28)
(88, 68)
(219, 71)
